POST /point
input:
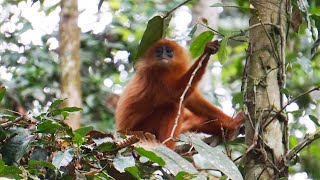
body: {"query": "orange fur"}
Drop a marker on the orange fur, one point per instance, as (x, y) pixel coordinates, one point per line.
(150, 101)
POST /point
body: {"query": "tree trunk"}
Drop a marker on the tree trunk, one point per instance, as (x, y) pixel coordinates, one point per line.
(266, 127)
(69, 53)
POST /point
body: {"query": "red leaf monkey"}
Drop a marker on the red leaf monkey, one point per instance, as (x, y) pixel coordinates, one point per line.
(150, 101)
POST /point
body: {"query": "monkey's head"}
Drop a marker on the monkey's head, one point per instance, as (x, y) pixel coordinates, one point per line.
(165, 53)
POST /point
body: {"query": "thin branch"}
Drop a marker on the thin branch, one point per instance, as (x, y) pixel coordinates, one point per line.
(309, 138)
(182, 99)
(168, 13)
(291, 101)
(11, 123)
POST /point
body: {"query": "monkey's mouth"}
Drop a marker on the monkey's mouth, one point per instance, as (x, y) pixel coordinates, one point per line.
(165, 60)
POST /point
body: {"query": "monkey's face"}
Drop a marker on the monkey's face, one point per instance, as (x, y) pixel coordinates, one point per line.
(164, 53)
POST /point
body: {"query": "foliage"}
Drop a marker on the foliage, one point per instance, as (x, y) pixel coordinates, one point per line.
(43, 146)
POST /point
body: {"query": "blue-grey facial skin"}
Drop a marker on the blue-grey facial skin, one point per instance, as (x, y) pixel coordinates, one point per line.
(164, 52)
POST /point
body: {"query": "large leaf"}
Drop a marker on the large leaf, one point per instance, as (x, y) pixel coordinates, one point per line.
(16, 147)
(223, 52)
(215, 157)
(121, 163)
(199, 43)
(174, 162)
(153, 32)
(63, 158)
(151, 155)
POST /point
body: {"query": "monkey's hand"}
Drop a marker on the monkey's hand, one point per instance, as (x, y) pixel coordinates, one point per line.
(212, 47)
(235, 126)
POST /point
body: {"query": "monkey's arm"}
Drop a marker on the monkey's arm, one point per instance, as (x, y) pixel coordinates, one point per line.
(209, 119)
(182, 83)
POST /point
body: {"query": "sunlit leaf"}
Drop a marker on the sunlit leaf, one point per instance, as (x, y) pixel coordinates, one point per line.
(62, 158)
(121, 163)
(151, 155)
(174, 162)
(223, 52)
(153, 32)
(215, 157)
(199, 43)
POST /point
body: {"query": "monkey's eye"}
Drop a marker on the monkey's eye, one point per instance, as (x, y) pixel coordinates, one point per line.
(169, 51)
(164, 52)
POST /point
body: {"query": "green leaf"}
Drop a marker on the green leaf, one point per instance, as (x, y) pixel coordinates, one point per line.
(12, 172)
(314, 119)
(215, 157)
(56, 103)
(84, 130)
(48, 126)
(2, 92)
(107, 146)
(199, 43)
(222, 52)
(286, 92)
(174, 162)
(297, 112)
(36, 163)
(121, 163)
(153, 32)
(63, 158)
(134, 171)
(184, 176)
(13, 151)
(78, 139)
(151, 155)
(193, 30)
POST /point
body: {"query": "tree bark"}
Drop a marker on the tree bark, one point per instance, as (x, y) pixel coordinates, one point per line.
(69, 53)
(266, 127)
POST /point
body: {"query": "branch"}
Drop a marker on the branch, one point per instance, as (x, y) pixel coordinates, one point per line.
(291, 101)
(182, 99)
(309, 138)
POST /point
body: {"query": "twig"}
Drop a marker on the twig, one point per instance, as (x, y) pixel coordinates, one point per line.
(11, 123)
(291, 101)
(181, 100)
(309, 138)
(168, 13)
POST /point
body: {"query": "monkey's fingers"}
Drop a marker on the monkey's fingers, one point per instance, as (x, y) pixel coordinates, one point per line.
(212, 47)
